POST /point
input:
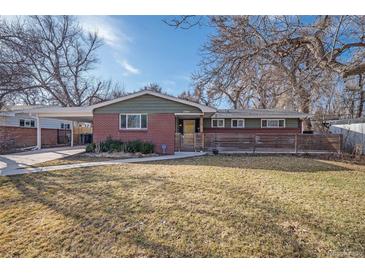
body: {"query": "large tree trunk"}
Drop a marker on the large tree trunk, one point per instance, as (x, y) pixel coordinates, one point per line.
(361, 104)
(304, 106)
(361, 99)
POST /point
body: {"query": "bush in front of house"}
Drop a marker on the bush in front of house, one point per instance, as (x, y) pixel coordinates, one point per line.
(110, 145)
(147, 148)
(139, 146)
(90, 148)
(133, 146)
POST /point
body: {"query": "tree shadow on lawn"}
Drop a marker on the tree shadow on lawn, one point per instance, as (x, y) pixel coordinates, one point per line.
(98, 210)
(105, 218)
(277, 163)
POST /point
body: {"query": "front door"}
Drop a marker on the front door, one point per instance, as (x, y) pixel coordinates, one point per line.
(188, 135)
(189, 126)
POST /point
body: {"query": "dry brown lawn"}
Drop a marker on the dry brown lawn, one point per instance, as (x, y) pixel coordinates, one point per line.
(213, 206)
(74, 159)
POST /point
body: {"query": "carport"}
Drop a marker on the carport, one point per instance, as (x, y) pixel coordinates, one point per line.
(75, 114)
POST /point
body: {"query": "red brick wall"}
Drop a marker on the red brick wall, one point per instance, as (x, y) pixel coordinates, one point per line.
(17, 137)
(253, 130)
(49, 136)
(160, 130)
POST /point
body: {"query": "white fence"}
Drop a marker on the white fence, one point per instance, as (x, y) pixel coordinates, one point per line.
(352, 134)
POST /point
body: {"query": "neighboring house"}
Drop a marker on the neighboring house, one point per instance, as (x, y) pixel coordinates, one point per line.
(18, 129)
(159, 118)
(352, 130)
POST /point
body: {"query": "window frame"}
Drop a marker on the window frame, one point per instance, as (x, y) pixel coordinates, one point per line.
(238, 119)
(217, 119)
(29, 121)
(267, 126)
(66, 126)
(126, 121)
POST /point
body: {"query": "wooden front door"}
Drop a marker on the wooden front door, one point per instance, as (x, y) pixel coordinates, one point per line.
(188, 135)
(189, 126)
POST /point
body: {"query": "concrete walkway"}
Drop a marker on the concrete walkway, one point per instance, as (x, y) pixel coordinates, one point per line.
(178, 155)
(29, 158)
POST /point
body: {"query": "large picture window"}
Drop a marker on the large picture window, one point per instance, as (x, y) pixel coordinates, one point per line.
(217, 122)
(133, 121)
(272, 123)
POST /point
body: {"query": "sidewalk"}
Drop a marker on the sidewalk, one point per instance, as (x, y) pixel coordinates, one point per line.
(30, 158)
(177, 155)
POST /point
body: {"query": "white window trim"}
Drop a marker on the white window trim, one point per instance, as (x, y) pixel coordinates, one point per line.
(243, 125)
(217, 123)
(126, 121)
(272, 120)
(29, 120)
(66, 126)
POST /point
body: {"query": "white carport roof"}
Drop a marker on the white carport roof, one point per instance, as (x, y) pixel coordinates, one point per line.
(80, 114)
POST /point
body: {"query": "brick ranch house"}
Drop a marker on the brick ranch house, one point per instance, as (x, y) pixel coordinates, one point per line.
(173, 123)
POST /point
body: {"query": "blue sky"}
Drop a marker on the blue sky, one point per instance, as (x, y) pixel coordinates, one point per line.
(142, 49)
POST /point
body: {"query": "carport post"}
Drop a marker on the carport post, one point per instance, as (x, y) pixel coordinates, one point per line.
(39, 133)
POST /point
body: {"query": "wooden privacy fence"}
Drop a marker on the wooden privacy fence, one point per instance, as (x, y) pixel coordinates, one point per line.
(279, 143)
(63, 136)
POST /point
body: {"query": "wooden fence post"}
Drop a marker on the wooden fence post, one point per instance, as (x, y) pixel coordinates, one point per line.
(296, 143)
(254, 143)
(203, 141)
(180, 141)
(339, 144)
(194, 141)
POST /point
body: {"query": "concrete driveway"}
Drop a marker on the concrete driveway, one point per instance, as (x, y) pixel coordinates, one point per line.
(29, 158)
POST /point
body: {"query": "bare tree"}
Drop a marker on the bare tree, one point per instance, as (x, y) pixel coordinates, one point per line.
(200, 96)
(152, 87)
(13, 72)
(356, 95)
(302, 54)
(297, 62)
(55, 59)
(239, 57)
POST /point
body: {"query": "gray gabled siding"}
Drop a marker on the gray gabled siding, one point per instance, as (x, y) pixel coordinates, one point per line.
(13, 121)
(254, 123)
(147, 104)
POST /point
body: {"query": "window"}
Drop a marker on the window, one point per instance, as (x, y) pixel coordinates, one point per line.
(272, 123)
(133, 121)
(217, 122)
(27, 123)
(65, 126)
(238, 123)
